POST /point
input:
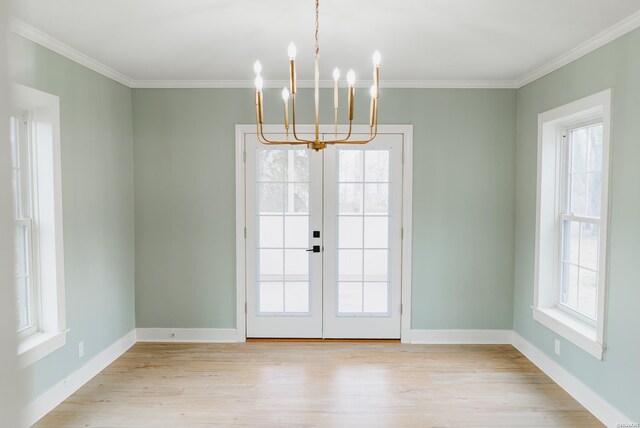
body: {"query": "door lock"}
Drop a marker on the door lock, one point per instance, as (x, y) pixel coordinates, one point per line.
(315, 249)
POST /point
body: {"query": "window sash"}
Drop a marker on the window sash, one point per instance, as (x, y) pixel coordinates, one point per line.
(28, 309)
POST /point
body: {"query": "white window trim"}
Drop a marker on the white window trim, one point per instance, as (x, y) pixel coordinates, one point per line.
(551, 125)
(44, 111)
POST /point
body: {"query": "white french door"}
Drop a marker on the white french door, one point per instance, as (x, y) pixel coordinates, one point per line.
(323, 242)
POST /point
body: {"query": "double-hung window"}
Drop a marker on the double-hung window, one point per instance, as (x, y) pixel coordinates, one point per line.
(25, 279)
(39, 250)
(571, 227)
(580, 219)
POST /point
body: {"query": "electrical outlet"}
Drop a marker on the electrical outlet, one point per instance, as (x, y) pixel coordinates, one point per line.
(80, 349)
(557, 347)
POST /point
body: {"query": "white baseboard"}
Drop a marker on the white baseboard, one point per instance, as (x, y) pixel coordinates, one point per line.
(46, 402)
(187, 335)
(458, 337)
(601, 409)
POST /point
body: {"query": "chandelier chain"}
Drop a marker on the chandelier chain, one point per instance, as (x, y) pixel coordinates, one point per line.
(317, 30)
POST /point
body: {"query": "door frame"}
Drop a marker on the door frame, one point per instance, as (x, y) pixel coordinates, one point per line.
(407, 209)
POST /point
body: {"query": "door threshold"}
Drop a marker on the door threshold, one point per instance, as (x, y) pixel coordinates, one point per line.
(317, 340)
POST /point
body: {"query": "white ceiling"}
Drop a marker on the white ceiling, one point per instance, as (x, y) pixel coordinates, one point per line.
(483, 41)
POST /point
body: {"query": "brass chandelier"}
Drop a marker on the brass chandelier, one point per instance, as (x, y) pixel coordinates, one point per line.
(317, 143)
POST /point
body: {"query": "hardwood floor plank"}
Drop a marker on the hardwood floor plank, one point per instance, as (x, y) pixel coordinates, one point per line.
(329, 384)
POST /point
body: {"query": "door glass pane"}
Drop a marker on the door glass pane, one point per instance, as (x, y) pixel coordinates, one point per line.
(296, 297)
(283, 230)
(271, 265)
(298, 165)
(271, 297)
(350, 166)
(376, 166)
(375, 265)
(271, 231)
(296, 265)
(296, 233)
(271, 165)
(350, 297)
(350, 265)
(376, 297)
(376, 232)
(376, 198)
(271, 198)
(350, 198)
(350, 232)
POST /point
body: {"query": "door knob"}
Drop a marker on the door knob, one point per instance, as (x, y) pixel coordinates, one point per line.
(315, 249)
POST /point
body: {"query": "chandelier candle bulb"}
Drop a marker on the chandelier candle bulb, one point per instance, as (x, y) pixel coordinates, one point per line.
(336, 77)
(257, 67)
(376, 71)
(285, 98)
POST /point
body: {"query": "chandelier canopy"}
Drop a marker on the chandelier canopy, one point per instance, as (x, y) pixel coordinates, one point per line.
(290, 93)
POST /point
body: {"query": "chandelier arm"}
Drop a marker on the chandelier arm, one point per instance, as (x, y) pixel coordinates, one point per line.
(293, 121)
(265, 140)
(345, 139)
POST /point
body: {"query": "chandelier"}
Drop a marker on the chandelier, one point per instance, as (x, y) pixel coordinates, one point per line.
(290, 93)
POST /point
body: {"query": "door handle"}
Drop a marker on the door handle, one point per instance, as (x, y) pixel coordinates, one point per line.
(315, 249)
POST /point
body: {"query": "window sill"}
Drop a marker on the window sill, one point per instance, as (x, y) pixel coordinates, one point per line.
(38, 346)
(580, 334)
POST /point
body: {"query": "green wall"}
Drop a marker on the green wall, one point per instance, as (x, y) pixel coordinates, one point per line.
(616, 66)
(463, 214)
(97, 193)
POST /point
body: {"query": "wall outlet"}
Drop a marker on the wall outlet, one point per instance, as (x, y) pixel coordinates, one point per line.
(557, 347)
(80, 349)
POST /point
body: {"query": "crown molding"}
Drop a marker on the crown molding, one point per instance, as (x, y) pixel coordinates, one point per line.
(27, 31)
(396, 84)
(621, 28)
(626, 25)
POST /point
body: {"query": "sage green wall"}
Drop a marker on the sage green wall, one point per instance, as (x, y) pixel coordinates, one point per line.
(463, 215)
(97, 194)
(616, 66)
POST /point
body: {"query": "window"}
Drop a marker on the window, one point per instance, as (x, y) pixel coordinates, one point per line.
(39, 270)
(26, 286)
(571, 229)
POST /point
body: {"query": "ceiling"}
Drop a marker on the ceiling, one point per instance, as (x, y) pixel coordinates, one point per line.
(458, 42)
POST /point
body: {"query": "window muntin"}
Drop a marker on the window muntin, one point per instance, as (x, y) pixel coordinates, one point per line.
(580, 220)
(22, 177)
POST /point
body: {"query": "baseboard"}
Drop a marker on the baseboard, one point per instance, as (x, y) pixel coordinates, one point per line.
(458, 337)
(600, 408)
(187, 335)
(46, 402)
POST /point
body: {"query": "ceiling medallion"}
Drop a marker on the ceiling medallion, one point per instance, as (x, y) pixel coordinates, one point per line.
(290, 93)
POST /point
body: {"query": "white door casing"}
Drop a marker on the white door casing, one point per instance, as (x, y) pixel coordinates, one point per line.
(396, 140)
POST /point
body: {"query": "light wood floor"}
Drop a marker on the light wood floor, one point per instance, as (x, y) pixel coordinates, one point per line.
(320, 384)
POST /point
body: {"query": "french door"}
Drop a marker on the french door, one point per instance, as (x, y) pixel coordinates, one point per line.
(323, 239)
